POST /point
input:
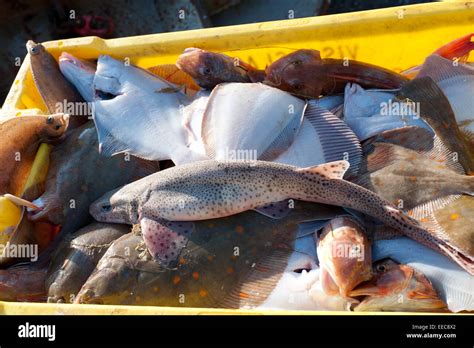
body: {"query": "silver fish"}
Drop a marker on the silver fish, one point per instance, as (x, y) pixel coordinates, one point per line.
(80, 73)
(260, 122)
(370, 112)
(131, 116)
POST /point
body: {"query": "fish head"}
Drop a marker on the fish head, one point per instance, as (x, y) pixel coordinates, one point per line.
(290, 73)
(116, 206)
(80, 73)
(344, 254)
(107, 285)
(396, 287)
(207, 68)
(55, 127)
(34, 49)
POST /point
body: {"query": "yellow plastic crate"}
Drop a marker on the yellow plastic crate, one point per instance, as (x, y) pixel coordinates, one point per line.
(396, 38)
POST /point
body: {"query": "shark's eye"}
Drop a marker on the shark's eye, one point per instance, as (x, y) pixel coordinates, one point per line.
(106, 208)
(300, 270)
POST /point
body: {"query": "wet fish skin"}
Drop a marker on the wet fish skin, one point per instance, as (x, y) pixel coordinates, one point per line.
(206, 271)
(369, 112)
(23, 283)
(451, 282)
(52, 86)
(158, 133)
(77, 257)
(80, 73)
(78, 175)
(21, 136)
(398, 288)
(401, 174)
(209, 69)
(304, 73)
(344, 254)
(436, 110)
(211, 189)
(185, 139)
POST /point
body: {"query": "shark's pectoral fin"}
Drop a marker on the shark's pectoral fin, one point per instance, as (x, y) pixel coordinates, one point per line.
(165, 239)
(275, 210)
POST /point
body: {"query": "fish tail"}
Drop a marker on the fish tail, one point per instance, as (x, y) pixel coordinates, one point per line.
(436, 110)
(349, 195)
(459, 48)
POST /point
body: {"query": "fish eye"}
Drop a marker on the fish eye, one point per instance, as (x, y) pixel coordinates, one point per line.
(206, 71)
(296, 85)
(300, 270)
(106, 208)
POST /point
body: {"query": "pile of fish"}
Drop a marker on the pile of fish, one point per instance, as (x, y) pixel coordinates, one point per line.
(315, 184)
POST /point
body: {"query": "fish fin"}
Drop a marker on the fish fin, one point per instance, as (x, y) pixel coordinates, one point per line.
(165, 239)
(430, 222)
(284, 140)
(207, 130)
(411, 72)
(331, 170)
(411, 137)
(261, 280)
(457, 49)
(173, 74)
(256, 76)
(437, 112)
(383, 149)
(338, 111)
(108, 144)
(445, 244)
(311, 227)
(337, 139)
(439, 68)
(275, 210)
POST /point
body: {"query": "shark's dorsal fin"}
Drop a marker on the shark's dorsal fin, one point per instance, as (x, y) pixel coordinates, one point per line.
(331, 170)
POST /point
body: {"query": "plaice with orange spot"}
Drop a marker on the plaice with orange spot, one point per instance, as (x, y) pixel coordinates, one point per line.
(228, 281)
(406, 161)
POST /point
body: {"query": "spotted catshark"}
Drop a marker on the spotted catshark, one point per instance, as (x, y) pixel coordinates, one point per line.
(213, 189)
